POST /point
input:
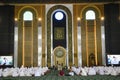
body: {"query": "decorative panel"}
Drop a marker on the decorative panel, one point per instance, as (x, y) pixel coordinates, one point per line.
(59, 33)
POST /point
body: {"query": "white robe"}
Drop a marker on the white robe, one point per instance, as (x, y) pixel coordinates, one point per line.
(114, 72)
(101, 71)
(83, 72)
(91, 71)
(37, 73)
(71, 73)
(15, 74)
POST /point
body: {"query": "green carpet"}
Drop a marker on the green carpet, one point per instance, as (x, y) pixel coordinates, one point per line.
(53, 75)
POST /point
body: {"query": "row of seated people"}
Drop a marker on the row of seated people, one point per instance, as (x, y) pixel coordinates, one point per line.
(23, 71)
(95, 70)
(39, 71)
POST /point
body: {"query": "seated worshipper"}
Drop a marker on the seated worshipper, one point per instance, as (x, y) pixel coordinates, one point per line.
(21, 71)
(114, 72)
(70, 73)
(46, 70)
(59, 67)
(37, 73)
(77, 71)
(107, 70)
(101, 70)
(27, 72)
(5, 72)
(91, 71)
(0, 72)
(61, 73)
(15, 72)
(83, 72)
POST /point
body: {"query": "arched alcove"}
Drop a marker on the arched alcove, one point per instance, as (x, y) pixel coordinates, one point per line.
(91, 35)
(68, 33)
(27, 40)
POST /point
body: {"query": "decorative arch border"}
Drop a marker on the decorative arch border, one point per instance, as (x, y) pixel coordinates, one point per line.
(90, 7)
(30, 8)
(51, 10)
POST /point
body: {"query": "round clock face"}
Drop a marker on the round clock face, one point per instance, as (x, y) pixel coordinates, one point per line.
(59, 52)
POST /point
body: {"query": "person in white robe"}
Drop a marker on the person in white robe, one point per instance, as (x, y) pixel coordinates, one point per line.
(5, 72)
(83, 72)
(71, 73)
(101, 71)
(91, 71)
(107, 71)
(114, 72)
(0, 72)
(15, 73)
(59, 67)
(37, 73)
(77, 71)
(21, 71)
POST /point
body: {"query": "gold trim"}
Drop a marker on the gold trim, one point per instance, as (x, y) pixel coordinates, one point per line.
(23, 45)
(25, 7)
(90, 6)
(95, 42)
(32, 45)
(87, 43)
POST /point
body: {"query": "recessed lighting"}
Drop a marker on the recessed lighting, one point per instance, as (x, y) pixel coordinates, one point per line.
(16, 19)
(102, 18)
(39, 19)
(78, 18)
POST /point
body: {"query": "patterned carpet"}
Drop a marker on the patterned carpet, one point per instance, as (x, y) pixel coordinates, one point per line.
(53, 75)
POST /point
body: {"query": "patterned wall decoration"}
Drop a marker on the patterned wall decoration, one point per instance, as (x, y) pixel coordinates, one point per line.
(59, 33)
(49, 33)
